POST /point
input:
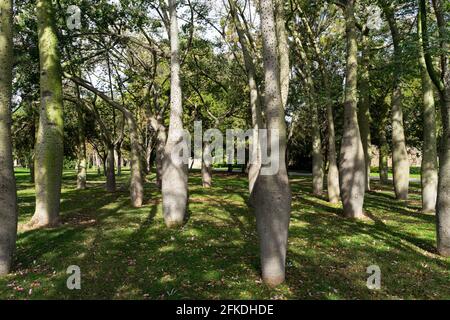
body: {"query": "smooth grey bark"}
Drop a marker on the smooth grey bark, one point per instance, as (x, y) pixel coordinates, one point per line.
(8, 197)
(272, 193)
(137, 181)
(429, 167)
(174, 173)
(352, 162)
(49, 143)
(400, 161)
(364, 108)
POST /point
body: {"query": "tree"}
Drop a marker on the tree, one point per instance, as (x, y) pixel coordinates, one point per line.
(8, 198)
(400, 161)
(352, 162)
(429, 168)
(272, 192)
(442, 83)
(174, 173)
(49, 142)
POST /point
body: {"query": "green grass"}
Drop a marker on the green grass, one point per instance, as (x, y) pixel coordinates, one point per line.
(127, 253)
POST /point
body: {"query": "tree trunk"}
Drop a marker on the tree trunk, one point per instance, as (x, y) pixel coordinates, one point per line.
(136, 183)
(272, 193)
(400, 162)
(119, 158)
(8, 198)
(49, 144)
(333, 172)
(160, 143)
(283, 51)
(81, 161)
(207, 166)
(364, 110)
(317, 158)
(352, 163)
(429, 168)
(383, 161)
(174, 177)
(109, 170)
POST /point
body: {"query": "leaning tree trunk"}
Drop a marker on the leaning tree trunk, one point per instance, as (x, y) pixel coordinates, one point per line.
(49, 143)
(8, 198)
(352, 163)
(81, 152)
(400, 161)
(161, 139)
(174, 175)
(364, 110)
(109, 170)
(429, 168)
(272, 193)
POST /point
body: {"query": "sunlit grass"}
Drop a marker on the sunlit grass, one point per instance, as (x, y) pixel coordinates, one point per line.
(127, 253)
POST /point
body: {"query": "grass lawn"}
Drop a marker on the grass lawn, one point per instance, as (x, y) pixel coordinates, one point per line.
(127, 253)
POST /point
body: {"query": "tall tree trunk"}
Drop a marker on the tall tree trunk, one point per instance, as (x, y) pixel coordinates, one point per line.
(400, 161)
(364, 109)
(333, 172)
(283, 51)
(49, 145)
(272, 192)
(429, 168)
(119, 158)
(137, 181)
(174, 178)
(443, 85)
(352, 163)
(109, 170)
(8, 198)
(81, 161)
(317, 157)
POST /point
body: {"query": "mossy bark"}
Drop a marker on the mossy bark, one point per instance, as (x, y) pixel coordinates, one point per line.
(49, 143)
